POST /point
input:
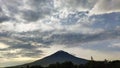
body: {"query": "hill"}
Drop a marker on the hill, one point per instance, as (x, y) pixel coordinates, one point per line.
(59, 56)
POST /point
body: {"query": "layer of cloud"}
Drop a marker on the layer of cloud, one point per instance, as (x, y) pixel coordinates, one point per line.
(106, 6)
(29, 26)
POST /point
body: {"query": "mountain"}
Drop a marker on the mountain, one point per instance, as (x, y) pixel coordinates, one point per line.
(60, 56)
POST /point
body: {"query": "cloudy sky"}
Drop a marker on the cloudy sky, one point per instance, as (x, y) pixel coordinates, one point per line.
(32, 29)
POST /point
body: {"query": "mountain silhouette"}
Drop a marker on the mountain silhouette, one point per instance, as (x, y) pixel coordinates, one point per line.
(60, 56)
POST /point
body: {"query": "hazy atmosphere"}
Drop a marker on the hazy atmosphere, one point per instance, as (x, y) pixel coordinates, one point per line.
(33, 29)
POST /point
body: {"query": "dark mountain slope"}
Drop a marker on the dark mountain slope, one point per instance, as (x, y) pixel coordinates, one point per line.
(60, 56)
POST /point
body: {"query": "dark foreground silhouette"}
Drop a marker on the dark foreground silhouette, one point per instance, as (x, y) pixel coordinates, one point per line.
(62, 59)
(68, 64)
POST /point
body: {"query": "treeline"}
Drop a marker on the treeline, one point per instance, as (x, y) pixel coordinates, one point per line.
(90, 64)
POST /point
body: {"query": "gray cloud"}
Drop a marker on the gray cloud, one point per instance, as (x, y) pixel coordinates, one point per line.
(31, 15)
(38, 9)
(58, 38)
(29, 10)
(80, 5)
(71, 39)
(8, 55)
(20, 49)
(69, 23)
(4, 18)
(31, 53)
(21, 53)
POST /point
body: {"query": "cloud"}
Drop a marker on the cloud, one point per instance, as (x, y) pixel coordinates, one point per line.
(92, 6)
(38, 10)
(18, 27)
(33, 53)
(4, 18)
(106, 6)
(14, 48)
(2, 46)
(27, 27)
(103, 45)
(26, 11)
(31, 15)
(77, 27)
(115, 44)
(27, 40)
(17, 53)
(81, 5)
(71, 38)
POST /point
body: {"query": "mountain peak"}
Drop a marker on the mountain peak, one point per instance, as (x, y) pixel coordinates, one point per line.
(61, 51)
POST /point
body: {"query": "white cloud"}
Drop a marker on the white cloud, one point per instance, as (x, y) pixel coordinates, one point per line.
(79, 28)
(23, 27)
(115, 45)
(2, 45)
(106, 6)
(18, 27)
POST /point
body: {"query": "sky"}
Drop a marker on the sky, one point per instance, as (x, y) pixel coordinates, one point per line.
(33, 29)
